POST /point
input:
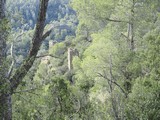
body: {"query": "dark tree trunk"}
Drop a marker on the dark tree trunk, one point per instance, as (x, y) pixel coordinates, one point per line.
(9, 85)
(37, 39)
(132, 42)
(6, 107)
(5, 97)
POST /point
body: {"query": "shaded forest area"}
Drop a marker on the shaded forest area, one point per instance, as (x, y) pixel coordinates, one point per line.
(79, 59)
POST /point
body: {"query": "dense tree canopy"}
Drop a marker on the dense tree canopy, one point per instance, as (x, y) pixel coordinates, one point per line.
(99, 60)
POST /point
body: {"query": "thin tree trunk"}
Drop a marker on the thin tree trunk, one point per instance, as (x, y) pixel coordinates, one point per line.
(131, 36)
(113, 101)
(132, 41)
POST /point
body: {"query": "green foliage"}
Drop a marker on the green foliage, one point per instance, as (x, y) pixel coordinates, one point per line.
(144, 100)
(145, 91)
(4, 25)
(58, 49)
(62, 101)
(23, 13)
(109, 79)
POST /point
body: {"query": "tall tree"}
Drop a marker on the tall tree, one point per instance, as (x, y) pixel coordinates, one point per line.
(4, 106)
(9, 85)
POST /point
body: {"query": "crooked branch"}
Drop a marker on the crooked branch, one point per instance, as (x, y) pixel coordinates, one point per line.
(41, 56)
(105, 77)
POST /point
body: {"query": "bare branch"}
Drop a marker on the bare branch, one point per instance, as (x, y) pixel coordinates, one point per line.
(47, 34)
(12, 64)
(28, 90)
(32, 89)
(10, 69)
(105, 77)
(12, 56)
(113, 20)
(41, 56)
(125, 36)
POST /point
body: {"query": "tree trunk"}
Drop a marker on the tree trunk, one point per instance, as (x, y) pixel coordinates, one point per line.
(9, 85)
(5, 97)
(6, 107)
(132, 42)
(37, 40)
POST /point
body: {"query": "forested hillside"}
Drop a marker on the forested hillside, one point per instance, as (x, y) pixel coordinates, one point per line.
(23, 15)
(80, 60)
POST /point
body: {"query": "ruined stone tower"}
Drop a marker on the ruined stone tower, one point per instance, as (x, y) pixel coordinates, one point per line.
(71, 54)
